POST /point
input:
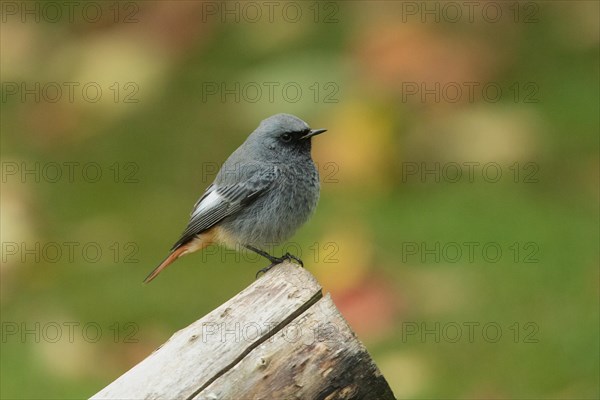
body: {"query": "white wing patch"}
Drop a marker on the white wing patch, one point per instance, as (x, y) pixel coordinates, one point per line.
(211, 200)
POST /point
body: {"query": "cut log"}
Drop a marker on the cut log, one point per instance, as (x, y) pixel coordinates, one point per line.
(277, 339)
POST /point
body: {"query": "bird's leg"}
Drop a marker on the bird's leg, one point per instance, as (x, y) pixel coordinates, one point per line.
(274, 260)
(266, 255)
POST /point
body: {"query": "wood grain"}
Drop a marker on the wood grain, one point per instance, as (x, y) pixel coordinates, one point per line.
(277, 339)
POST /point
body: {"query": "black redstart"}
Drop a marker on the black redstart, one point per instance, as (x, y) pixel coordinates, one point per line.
(264, 191)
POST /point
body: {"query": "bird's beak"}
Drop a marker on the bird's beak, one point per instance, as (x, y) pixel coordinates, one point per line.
(313, 132)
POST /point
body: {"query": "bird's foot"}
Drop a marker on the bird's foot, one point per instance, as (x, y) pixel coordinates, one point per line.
(264, 270)
(279, 260)
(290, 257)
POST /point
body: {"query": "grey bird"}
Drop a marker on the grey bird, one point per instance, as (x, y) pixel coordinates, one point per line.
(264, 191)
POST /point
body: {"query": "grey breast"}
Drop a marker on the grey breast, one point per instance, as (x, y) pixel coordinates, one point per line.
(275, 216)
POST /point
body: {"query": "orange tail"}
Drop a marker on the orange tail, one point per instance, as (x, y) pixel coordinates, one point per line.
(168, 261)
(198, 243)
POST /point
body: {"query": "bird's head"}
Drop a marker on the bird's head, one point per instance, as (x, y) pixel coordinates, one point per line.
(284, 134)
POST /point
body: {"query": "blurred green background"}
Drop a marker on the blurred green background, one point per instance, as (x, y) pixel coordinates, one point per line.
(412, 254)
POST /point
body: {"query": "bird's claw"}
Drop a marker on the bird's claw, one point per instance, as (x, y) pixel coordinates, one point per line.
(275, 261)
(289, 257)
(264, 270)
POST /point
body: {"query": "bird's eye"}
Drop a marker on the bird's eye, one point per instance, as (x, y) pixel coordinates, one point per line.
(286, 137)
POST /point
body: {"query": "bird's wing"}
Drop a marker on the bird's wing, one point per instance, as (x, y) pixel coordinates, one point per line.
(219, 202)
